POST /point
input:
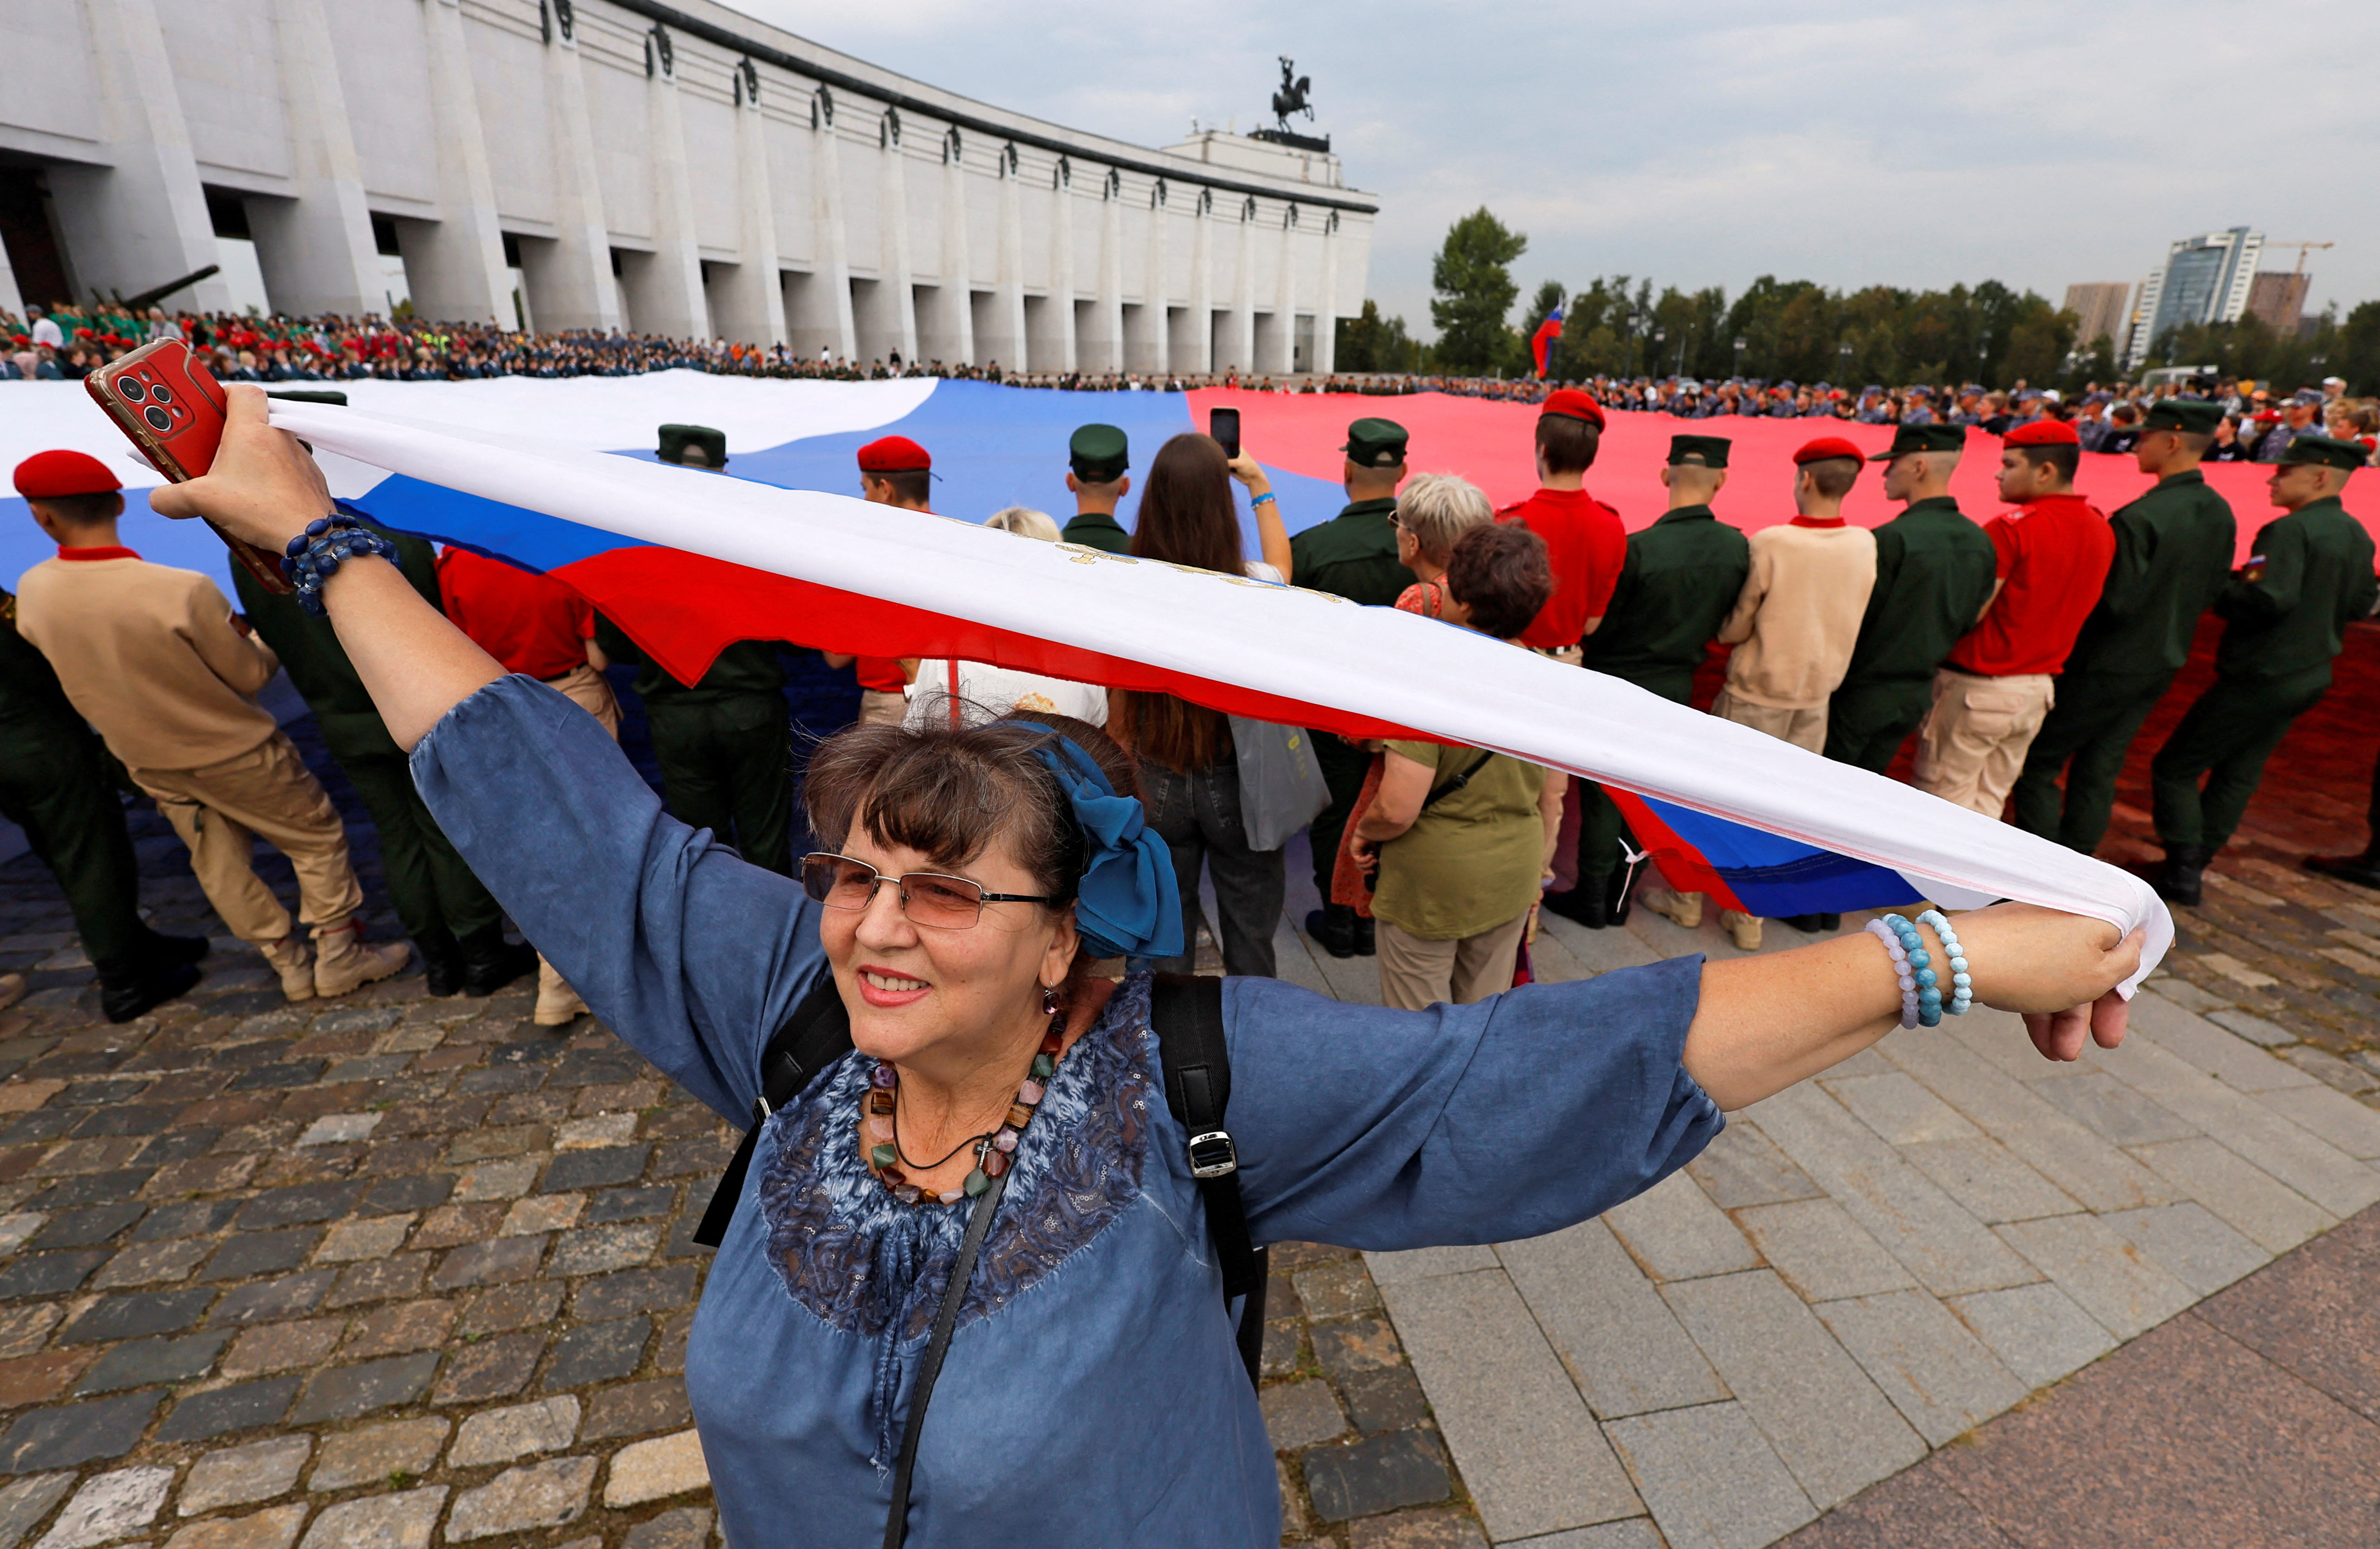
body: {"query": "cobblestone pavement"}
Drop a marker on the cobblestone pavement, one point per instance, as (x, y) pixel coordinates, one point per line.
(398, 1271)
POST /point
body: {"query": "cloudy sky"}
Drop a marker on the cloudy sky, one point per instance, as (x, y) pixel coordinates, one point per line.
(1709, 143)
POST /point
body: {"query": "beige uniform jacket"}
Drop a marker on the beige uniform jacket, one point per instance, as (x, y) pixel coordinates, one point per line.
(148, 655)
(1798, 615)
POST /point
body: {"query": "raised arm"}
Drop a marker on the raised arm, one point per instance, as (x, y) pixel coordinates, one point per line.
(1272, 535)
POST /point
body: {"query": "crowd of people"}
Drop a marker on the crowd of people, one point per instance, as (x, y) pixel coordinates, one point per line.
(2024, 653)
(66, 342)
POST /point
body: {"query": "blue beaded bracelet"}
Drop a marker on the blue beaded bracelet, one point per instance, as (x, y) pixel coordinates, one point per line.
(1963, 987)
(315, 555)
(1898, 948)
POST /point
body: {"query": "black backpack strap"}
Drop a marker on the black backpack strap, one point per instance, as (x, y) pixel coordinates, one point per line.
(1187, 1013)
(815, 1036)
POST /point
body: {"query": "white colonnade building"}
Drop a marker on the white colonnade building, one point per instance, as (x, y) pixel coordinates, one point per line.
(677, 169)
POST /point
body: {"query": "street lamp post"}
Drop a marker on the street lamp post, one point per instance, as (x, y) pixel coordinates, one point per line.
(1739, 355)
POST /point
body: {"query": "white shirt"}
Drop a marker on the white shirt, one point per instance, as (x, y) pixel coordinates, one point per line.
(994, 691)
(47, 332)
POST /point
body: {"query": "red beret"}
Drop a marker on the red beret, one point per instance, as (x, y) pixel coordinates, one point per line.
(54, 475)
(894, 454)
(1572, 404)
(1828, 446)
(2042, 432)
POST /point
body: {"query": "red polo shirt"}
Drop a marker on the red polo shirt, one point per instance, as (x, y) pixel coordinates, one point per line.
(1586, 546)
(2054, 557)
(532, 624)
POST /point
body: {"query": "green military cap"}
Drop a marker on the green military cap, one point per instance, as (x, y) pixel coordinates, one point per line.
(2195, 416)
(2325, 450)
(1374, 443)
(1100, 454)
(1923, 438)
(678, 440)
(1704, 451)
(305, 394)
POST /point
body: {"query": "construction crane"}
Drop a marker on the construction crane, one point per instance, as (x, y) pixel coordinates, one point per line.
(2301, 247)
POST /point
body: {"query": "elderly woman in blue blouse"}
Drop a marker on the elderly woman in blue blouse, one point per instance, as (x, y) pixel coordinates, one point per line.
(1091, 1395)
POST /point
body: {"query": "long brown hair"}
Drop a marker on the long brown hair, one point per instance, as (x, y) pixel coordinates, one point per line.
(1186, 518)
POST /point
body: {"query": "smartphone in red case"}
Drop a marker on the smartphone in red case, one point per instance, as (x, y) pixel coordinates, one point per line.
(169, 404)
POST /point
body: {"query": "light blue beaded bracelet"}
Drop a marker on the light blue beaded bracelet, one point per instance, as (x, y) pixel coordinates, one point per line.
(1963, 987)
(1889, 929)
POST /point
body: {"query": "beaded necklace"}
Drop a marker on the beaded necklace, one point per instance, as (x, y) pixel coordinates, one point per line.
(994, 1153)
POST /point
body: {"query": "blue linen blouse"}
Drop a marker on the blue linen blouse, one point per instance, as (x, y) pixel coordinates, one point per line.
(1092, 1396)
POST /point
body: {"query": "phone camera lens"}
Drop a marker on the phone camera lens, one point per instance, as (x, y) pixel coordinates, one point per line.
(160, 392)
(159, 420)
(130, 387)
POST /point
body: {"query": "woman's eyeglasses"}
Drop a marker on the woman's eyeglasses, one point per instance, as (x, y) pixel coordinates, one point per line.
(927, 898)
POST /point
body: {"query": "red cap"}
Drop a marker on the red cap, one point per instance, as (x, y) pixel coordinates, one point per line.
(1828, 446)
(1572, 404)
(54, 475)
(2042, 432)
(894, 454)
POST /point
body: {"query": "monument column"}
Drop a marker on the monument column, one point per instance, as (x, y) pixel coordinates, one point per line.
(573, 276)
(454, 266)
(315, 250)
(669, 297)
(752, 300)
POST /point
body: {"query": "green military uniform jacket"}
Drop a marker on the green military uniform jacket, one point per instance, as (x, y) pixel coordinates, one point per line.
(2308, 576)
(745, 667)
(317, 664)
(1682, 576)
(1354, 554)
(2173, 556)
(1934, 573)
(29, 687)
(1096, 530)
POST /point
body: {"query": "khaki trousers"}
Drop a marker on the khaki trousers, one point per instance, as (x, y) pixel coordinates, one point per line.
(1417, 974)
(587, 688)
(881, 707)
(1803, 726)
(221, 810)
(590, 691)
(1972, 744)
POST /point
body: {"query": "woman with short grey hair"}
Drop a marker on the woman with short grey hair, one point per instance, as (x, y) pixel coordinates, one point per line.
(1433, 510)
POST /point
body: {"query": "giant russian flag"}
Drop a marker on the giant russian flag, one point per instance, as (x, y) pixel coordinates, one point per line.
(555, 476)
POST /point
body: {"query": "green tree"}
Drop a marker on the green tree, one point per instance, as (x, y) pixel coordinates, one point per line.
(2355, 351)
(1369, 341)
(1472, 277)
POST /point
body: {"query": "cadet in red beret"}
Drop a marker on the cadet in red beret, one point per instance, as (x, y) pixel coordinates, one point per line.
(1993, 694)
(55, 785)
(152, 658)
(893, 470)
(1583, 537)
(1793, 628)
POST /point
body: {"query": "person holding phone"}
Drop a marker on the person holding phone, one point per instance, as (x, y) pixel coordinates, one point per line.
(1355, 555)
(994, 1153)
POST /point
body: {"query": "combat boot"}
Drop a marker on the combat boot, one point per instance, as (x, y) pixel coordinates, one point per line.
(1742, 928)
(128, 992)
(1368, 941)
(158, 948)
(490, 962)
(557, 1004)
(2184, 874)
(345, 961)
(289, 958)
(1588, 904)
(1333, 929)
(442, 963)
(1683, 909)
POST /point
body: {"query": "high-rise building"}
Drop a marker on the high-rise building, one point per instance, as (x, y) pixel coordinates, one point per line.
(2278, 300)
(2104, 310)
(2203, 279)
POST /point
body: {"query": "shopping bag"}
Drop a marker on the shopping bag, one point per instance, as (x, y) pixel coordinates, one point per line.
(1281, 781)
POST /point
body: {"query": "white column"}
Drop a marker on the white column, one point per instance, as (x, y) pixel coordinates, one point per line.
(1326, 306)
(1154, 347)
(1240, 346)
(144, 220)
(1202, 282)
(752, 300)
(1285, 300)
(670, 299)
(824, 318)
(1062, 274)
(454, 266)
(315, 250)
(958, 290)
(1106, 350)
(1008, 284)
(896, 275)
(573, 277)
